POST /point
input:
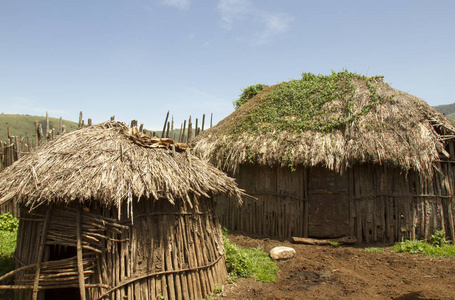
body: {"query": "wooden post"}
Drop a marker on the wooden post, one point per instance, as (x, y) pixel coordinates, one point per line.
(172, 128)
(182, 139)
(190, 130)
(9, 133)
(168, 128)
(80, 120)
(164, 126)
(47, 125)
(203, 121)
(36, 133)
(211, 119)
(89, 122)
(41, 252)
(141, 127)
(80, 263)
(195, 132)
(40, 133)
(113, 118)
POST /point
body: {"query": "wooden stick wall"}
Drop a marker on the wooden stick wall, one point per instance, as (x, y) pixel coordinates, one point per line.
(382, 204)
(170, 251)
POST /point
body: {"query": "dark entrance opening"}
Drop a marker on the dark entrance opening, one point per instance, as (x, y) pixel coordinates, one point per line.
(58, 252)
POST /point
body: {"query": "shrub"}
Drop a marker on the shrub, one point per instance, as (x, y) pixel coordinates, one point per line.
(438, 246)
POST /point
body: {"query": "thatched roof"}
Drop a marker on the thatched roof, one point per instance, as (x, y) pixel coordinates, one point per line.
(109, 163)
(333, 121)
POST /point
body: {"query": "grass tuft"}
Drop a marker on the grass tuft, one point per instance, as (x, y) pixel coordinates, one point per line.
(252, 262)
(373, 250)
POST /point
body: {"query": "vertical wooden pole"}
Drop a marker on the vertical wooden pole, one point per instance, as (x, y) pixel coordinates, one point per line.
(36, 133)
(306, 214)
(47, 125)
(183, 132)
(42, 245)
(80, 263)
(211, 119)
(203, 121)
(195, 132)
(113, 118)
(172, 128)
(164, 126)
(168, 128)
(190, 130)
(80, 120)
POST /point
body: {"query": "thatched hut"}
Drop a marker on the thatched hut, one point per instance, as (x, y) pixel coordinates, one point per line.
(338, 155)
(107, 212)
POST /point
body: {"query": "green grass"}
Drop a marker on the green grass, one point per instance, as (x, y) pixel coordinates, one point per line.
(252, 262)
(438, 246)
(8, 234)
(373, 250)
(24, 125)
(420, 247)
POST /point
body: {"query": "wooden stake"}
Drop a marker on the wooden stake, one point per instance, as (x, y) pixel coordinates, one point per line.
(80, 120)
(190, 130)
(47, 125)
(41, 252)
(195, 132)
(211, 119)
(203, 121)
(80, 263)
(164, 126)
(172, 128)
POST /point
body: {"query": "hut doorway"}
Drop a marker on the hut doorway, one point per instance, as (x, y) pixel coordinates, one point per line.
(328, 203)
(59, 252)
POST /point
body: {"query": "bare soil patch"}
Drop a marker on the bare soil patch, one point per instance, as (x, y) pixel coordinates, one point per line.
(323, 272)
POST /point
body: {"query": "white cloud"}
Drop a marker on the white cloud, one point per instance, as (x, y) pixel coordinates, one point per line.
(274, 24)
(233, 10)
(238, 11)
(180, 4)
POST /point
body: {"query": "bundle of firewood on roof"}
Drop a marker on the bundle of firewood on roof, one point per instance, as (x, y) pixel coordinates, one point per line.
(154, 142)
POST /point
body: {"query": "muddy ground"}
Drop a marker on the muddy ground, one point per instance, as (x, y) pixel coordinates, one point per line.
(323, 272)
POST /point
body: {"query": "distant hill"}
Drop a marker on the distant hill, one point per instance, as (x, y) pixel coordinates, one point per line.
(447, 109)
(24, 125)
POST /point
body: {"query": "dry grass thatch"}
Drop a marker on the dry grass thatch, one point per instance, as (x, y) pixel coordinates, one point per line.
(399, 130)
(106, 163)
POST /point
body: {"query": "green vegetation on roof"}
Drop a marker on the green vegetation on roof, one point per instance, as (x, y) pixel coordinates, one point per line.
(315, 102)
(248, 93)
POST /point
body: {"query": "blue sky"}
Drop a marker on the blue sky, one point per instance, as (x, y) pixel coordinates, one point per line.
(137, 59)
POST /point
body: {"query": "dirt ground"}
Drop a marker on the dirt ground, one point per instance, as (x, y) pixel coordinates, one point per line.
(323, 272)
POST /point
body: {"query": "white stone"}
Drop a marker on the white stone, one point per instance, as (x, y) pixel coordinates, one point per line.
(282, 253)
